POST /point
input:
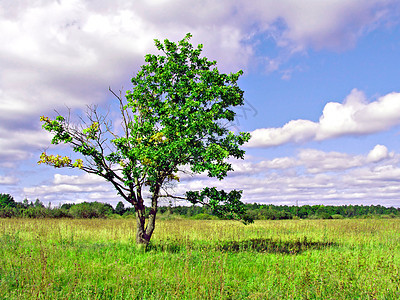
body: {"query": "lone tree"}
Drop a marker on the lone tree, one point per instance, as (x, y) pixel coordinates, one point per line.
(173, 120)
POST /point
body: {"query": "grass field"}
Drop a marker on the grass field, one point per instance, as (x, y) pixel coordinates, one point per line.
(188, 259)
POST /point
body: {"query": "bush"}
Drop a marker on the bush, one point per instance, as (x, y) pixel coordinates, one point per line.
(129, 214)
(321, 215)
(36, 212)
(337, 217)
(89, 210)
(59, 213)
(389, 216)
(169, 216)
(114, 216)
(204, 217)
(9, 212)
(253, 213)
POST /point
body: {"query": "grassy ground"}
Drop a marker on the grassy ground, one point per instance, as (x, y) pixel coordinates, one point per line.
(296, 259)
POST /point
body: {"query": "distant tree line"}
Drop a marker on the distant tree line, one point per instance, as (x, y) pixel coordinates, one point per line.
(9, 208)
(279, 212)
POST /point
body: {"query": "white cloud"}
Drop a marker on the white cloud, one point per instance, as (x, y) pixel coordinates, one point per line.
(279, 163)
(8, 180)
(296, 131)
(317, 161)
(296, 26)
(73, 188)
(19, 144)
(318, 177)
(311, 177)
(85, 179)
(63, 189)
(379, 153)
(355, 116)
(68, 52)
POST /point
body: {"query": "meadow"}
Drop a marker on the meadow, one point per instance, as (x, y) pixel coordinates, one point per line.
(200, 259)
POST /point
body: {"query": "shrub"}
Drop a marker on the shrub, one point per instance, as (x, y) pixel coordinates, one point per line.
(204, 217)
(60, 213)
(114, 216)
(8, 212)
(388, 216)
(323, 215)
(336, 216)
(89, 210)
(36, 212)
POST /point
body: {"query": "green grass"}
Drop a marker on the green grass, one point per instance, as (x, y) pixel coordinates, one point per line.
(190, 259)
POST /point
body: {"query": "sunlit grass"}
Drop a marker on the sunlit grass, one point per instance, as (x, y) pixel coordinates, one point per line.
(294, 259)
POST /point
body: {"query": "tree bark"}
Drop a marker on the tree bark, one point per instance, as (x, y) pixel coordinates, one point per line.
(153, 211)
(141, 236)
(144, 232)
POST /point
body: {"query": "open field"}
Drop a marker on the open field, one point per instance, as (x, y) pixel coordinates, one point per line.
(296, 259)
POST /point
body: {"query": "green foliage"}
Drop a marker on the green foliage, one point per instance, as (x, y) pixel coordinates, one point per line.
(36, 212)
(337, 217)
(254, 211)
(174, 118)
(6, 200)
(120, 209)
(203, 216)
(224, 205)
(9, 212)
(38, 203)
(89, 210)
(182, 101)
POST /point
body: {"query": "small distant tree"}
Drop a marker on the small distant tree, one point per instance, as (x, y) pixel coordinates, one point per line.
(120, 208)
(38, 203)
(174, 119)
(6, 200)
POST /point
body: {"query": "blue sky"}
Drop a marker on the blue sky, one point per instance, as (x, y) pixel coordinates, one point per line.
(321, 82)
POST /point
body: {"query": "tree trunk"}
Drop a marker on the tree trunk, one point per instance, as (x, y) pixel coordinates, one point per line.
(144, 232)
(141, 237)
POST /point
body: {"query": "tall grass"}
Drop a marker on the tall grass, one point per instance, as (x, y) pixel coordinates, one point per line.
(188, 259)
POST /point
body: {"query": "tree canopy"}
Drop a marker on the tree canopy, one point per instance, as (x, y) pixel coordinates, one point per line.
(6, 200)
(174, 119)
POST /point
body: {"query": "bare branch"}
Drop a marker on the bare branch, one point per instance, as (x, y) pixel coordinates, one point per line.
(171, 196)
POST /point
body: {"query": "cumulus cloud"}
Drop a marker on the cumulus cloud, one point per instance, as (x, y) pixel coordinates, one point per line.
(317, 161)
(379, 153)
(310, 177)
(87, 179)
(68, 52)
(355, 116)
(296, 131)
(72, 188)
(18, 144)
(318, 177)
(329, 24)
